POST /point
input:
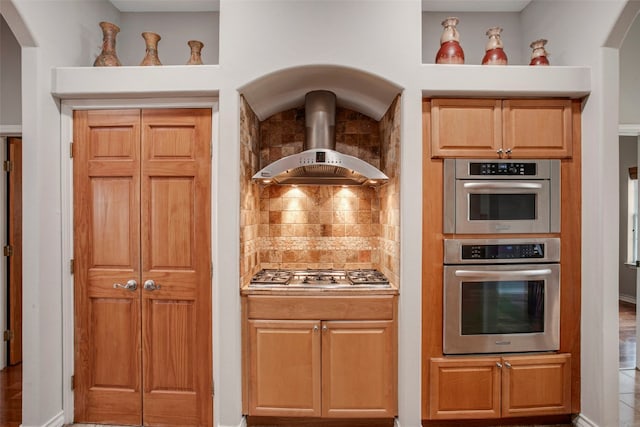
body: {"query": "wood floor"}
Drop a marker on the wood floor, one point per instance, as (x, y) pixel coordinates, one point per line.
(11, 396)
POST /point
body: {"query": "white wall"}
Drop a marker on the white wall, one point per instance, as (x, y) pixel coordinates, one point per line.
(10, 80)
(626, 274)
(259, 37)
(473, 39)
(629, 72)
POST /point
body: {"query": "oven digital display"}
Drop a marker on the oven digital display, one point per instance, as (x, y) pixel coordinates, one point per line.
(502, 168)
(497, 252)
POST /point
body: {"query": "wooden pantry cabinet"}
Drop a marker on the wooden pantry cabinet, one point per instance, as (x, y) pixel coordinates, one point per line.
(500, 387)
(502, 128)
(332, 357)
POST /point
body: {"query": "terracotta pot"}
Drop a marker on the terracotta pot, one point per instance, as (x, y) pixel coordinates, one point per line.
(494, 54)
(196, 48)
(108, 57)
(450, 51)
(151, 56)
(539, 54)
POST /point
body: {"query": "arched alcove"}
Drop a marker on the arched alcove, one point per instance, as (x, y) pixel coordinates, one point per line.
(355, 89)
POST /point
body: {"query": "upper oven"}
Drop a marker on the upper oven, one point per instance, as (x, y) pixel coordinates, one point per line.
(501, 196)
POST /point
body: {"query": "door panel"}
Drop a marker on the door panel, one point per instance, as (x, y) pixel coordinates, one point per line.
(176, 250)
(15, 241)
(106, 215)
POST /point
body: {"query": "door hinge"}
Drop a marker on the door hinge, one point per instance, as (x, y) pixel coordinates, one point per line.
(71, 266)
(8, 335)
(71, 150)
(8, 250)
(7, 166)
(73, 382)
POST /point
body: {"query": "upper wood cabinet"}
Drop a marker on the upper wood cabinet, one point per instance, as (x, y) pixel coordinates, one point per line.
(494, 128)
(494, 387)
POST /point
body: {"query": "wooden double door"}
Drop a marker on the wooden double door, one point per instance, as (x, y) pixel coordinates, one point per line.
(142, 267)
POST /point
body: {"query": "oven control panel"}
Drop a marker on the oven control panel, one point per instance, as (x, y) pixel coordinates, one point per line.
(502, 168)
(497, 252)
(501, 251)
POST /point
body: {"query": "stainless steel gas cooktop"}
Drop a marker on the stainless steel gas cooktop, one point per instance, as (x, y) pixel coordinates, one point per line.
(324, 278)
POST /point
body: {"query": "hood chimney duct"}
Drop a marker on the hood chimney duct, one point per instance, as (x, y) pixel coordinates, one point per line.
(320, 120)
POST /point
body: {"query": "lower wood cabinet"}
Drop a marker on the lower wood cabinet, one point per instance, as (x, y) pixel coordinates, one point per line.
(494, 387)
(321, 368)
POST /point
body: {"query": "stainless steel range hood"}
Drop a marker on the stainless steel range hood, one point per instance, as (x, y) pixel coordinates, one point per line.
(319, 163)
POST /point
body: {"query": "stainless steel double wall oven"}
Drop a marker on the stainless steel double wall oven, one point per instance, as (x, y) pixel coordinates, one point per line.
(501, 294)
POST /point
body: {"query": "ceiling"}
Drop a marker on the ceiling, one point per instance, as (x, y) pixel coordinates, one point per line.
(214, 5)
(167, 5)
(474, 5)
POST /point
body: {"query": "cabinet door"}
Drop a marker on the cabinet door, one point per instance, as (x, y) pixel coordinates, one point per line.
(536, 385)
(466, 127)
(358, 369)
(537, 128)
(464, 388)
(284, 368)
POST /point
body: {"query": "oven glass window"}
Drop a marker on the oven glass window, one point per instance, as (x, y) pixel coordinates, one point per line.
(502, 307)
(502, 207)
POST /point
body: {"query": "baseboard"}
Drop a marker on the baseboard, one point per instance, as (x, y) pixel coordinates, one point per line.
(627, 298)
(582, 421)
(57, 421)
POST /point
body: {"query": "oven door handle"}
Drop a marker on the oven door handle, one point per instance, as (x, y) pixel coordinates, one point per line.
(503, 185)
(498, 274)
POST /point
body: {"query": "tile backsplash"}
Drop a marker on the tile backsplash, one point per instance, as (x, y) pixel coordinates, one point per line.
(319, 226)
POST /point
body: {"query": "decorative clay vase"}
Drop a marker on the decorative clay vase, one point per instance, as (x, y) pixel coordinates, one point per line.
(151, 57)
(108, 57)
(494, 54)
(539, 54)
(450, 51)
(196, 48)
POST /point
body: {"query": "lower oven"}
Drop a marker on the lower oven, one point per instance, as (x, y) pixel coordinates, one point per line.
(501, 295)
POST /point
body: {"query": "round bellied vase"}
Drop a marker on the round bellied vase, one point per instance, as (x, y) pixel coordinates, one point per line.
(539, 56)
(108, 57)
(151, 55)
(494, 50)
(196, 52)
(450, 51)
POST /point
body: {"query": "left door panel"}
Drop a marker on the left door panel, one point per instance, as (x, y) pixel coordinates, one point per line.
(107, 253)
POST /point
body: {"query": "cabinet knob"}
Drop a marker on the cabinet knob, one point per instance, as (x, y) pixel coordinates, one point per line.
(508, 152)
(315, 328)
(507, 364)
(324, 328)
(499, 152)
(499, 365)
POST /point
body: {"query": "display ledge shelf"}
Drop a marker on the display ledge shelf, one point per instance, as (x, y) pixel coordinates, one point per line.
(118, 82)
(506, 81)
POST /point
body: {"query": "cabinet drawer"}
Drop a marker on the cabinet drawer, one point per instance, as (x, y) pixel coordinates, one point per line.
(378, 307)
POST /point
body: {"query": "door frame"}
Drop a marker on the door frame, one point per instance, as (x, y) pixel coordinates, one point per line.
(66, 214)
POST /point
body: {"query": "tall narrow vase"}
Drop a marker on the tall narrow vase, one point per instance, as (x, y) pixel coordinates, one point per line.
(108, 57)
(539, 54)
(151, 56)
(196, 49)
(494, 54)
(450, 51)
